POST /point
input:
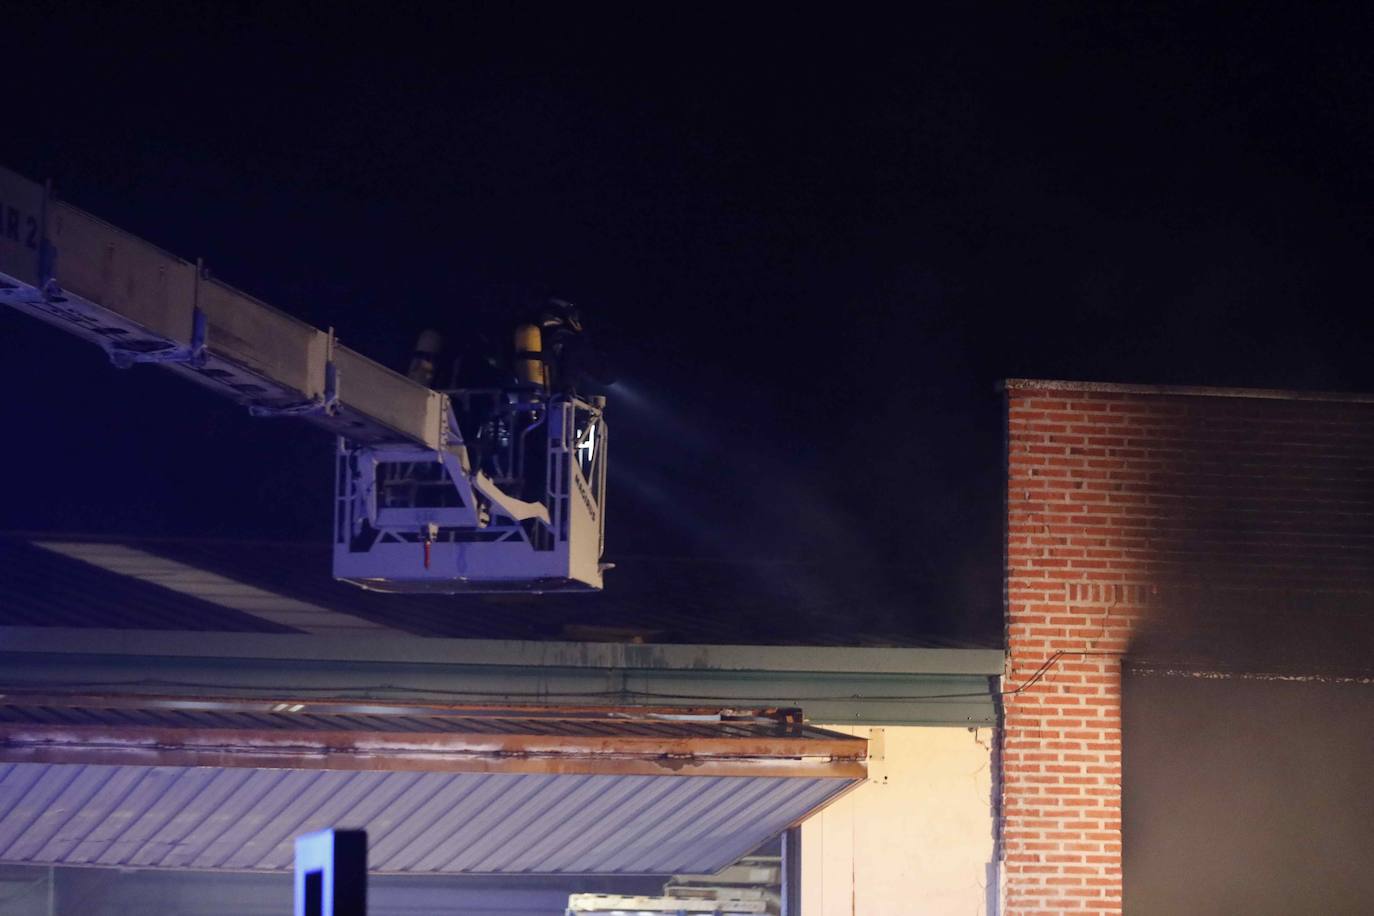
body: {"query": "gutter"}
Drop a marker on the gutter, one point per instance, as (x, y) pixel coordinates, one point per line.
(839, 685)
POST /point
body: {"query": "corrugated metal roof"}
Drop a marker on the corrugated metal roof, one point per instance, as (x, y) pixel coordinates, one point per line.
(39, 588)
(463, 790)
(246, 818)
(184, 579)
(34, 720)
(647, 599)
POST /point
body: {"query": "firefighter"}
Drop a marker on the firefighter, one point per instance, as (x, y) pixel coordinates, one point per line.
(552, 350)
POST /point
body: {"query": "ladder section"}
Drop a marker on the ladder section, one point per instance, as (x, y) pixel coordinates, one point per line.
(141, 304)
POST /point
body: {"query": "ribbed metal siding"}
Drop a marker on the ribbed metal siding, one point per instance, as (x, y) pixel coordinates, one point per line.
(246, 819)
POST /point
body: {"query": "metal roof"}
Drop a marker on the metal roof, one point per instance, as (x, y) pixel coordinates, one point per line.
(204, 585)
(136, 583)
(227, 784)
(84, 613)
(442, 823)
(41, 588)
(341, 734)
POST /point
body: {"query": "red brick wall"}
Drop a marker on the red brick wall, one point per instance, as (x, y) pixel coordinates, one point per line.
(1129, 512)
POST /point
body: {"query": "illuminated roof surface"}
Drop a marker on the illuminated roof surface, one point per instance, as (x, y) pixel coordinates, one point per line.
(237, 586)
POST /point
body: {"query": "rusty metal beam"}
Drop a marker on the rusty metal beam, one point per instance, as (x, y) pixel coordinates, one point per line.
(56, 728)
(305, 759)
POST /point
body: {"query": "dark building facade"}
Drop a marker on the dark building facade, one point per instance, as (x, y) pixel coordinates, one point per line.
(1190, 619)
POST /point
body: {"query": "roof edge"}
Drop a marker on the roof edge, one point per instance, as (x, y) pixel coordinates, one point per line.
(1202, 391)
(534, 655)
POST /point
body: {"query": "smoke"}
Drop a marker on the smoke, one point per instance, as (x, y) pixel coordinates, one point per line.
(720, 493)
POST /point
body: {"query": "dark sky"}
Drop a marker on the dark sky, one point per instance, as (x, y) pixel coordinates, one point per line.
(812, 244)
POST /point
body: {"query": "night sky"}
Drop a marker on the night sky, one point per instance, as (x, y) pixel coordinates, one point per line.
(810, 244)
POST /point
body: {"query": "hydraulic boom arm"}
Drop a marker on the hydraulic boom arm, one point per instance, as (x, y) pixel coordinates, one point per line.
(414, 511)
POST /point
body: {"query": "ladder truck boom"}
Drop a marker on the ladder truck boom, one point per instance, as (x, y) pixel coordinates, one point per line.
(415, 509)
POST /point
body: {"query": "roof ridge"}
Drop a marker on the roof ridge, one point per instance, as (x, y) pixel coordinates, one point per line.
(1266, 394)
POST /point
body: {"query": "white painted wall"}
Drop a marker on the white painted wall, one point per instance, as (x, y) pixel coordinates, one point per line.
(915, 839)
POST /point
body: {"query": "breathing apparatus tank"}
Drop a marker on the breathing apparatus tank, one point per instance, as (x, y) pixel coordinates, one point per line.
(529, 355)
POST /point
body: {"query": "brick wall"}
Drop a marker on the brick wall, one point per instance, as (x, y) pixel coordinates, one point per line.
(1184, 528)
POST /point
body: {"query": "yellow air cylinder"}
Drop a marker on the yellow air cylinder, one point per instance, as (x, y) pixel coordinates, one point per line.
(529, 353)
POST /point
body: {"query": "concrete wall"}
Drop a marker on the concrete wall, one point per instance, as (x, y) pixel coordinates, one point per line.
(915, 839)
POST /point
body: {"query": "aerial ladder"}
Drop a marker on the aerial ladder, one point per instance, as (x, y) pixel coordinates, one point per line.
(487, 490)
